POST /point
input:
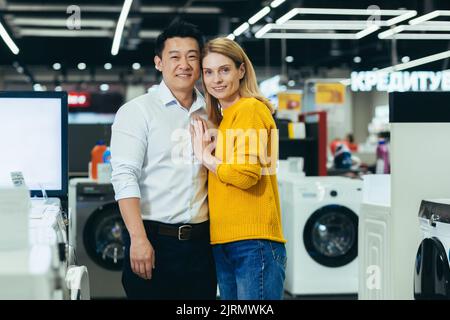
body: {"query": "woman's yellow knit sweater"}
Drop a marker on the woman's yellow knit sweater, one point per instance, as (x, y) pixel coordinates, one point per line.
(243, 194)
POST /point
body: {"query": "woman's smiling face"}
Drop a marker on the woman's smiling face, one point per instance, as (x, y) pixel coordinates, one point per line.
(221, 77)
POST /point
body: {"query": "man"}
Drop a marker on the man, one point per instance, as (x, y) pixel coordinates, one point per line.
(163, 201)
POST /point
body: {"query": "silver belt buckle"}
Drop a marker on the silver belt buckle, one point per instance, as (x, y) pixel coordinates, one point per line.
(180, 230)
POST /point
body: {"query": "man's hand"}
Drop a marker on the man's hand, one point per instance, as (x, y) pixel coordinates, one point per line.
(142, 257)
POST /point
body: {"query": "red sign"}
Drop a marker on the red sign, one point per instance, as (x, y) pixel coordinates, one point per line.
(79, 100)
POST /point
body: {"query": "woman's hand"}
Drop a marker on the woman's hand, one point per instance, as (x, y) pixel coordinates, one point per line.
(201, 140)
(203, 144)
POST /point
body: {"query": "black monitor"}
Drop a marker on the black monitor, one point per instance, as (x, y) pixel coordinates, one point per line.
(33, 140)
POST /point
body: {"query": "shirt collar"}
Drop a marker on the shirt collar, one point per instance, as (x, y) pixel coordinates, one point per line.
(168, 99)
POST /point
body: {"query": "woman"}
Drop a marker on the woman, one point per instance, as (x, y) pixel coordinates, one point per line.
(245, 222)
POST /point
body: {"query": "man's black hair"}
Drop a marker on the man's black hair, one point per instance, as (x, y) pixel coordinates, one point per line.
(180, 29)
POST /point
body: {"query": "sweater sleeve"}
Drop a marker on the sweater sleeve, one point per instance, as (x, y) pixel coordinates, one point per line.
(248, 132)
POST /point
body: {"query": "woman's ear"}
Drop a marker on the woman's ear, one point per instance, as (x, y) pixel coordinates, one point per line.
(241, 71)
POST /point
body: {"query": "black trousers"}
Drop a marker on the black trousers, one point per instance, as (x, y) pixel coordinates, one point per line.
(184, 269)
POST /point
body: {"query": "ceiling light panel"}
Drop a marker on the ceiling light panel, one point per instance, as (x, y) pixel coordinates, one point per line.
(362, 27)
(422, 24)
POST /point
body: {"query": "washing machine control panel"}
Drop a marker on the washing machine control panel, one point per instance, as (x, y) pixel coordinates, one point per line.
(95, 192)
(328, 192)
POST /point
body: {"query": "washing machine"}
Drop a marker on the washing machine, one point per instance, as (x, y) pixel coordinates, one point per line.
(95, 232)
(432, 271)
(320, 224)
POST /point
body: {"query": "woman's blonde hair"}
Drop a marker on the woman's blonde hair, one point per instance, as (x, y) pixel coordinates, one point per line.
(248, 86)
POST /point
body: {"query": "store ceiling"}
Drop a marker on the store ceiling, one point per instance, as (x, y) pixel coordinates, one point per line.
(33, 25)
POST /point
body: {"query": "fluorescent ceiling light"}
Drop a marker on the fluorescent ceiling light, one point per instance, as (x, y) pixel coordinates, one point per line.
(112, 9)
(7, 39)
(172, 9)
(259, 15)
(263, 32)
(365, 27)
(332, 23)
(428, 27)
(120, 26)
(390, 32)
(420, 36)
(421, 24)
(366, 31)
(231, 36)
(401, 18)
(318, 26)
(149, 34)
(428, 16)
(63, 33)
(417, 62)
(398, 32)
(401, 15)
(337, 36)
(276, 3)
(242, 28)
(287, 16)
(50, 22)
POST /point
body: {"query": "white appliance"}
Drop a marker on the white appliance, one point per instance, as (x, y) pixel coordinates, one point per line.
(374, 250)
(432, 271)
(39, 270)
(320, 223)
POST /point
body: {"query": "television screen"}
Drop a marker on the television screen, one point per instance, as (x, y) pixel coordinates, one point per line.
(33, 140)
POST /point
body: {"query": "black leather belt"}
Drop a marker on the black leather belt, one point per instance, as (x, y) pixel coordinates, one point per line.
(180, 231)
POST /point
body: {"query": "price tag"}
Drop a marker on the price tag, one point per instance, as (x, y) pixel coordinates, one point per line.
(17, 179)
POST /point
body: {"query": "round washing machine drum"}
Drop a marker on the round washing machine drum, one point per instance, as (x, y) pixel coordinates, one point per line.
(330, 236)
(432, 271)
(103, 237)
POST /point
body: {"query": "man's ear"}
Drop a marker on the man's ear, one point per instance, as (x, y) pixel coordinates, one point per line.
(158, 63)
(241, 71)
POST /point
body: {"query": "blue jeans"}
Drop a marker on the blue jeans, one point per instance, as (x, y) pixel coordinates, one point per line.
(250, 269)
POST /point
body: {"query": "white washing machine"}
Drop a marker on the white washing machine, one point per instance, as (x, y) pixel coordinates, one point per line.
(432, 270)
(320, 223)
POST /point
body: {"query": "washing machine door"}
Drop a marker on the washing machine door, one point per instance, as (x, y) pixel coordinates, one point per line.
(330, 236)
(432, 271)
(102, 237)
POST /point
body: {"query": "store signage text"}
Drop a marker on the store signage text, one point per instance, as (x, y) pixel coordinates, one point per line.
(79, 99)
(401, 81)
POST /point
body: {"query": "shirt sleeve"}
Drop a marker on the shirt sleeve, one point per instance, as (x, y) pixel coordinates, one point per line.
(128, 149)
(243, 169)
